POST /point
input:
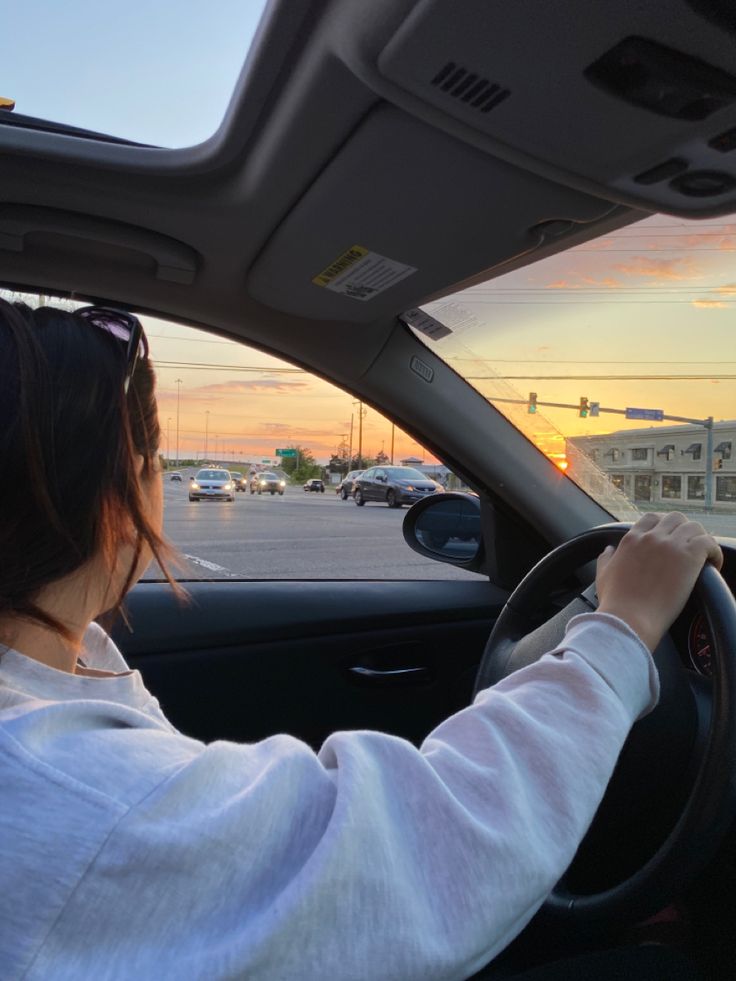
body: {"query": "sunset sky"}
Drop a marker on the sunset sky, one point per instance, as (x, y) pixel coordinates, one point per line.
(617, 321)
(256, 404)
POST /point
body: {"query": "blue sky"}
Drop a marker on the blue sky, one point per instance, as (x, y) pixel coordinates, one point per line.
(158, 72)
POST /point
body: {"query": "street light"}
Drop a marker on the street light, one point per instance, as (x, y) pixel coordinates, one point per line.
(178, 392)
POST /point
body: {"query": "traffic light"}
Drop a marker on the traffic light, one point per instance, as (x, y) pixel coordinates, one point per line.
(532, 406)
(717, 463)
(584, 407)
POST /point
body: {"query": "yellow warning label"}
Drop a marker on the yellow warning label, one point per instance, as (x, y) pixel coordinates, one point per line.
(347, 259)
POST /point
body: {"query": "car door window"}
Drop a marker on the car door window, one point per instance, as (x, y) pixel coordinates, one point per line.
(224, 408)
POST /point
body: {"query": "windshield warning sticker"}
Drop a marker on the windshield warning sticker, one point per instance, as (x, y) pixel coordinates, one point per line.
(361, 274)
(425, 324)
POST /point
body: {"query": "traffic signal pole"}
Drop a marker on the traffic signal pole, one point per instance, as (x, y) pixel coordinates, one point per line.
(707, 424)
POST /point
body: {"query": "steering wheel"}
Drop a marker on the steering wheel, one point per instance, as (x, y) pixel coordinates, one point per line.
(671, 799)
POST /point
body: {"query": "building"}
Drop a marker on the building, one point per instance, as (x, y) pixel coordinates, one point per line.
(663, 467)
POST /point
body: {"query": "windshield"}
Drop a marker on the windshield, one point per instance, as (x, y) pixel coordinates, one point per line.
(213, 475)
(404, 473)
(267, 476)
(617, 360)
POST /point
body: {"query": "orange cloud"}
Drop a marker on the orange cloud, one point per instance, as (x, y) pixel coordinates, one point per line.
(728, 289)
(710, 305)
(661, 269)
(585, 281)
(261, 385)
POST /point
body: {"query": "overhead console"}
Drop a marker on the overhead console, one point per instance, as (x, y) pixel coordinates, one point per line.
(637, 98)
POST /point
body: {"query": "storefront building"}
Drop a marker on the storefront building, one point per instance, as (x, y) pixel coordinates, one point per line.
(665, 466)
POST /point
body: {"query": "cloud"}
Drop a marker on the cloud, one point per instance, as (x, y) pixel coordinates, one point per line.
(262, 385)
(585, 281)
(710, 305)
(728, 289)
(660, 269)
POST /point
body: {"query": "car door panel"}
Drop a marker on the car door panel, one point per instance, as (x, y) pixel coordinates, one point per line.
(246, 660)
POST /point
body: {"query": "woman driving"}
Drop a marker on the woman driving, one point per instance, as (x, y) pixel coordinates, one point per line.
(129, 850)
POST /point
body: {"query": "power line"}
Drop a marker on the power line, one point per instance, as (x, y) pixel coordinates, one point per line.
(230, 367)
(572, 361)
(730, 377)
(559, 301)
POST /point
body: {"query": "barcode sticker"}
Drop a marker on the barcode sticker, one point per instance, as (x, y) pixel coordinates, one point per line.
(361, 274)
(425, 324)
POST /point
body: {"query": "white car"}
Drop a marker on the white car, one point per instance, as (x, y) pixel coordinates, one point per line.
(211, 484)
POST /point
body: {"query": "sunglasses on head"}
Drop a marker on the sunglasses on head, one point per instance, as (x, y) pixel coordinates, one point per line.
(124, 327)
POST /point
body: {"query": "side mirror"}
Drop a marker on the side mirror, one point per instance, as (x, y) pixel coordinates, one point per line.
(447, 528)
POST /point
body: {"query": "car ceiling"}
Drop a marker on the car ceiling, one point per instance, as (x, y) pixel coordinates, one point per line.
(349, 127)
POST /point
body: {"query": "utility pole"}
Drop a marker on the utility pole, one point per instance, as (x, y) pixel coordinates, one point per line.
(168, 452)
(360, 436)
(361, 412)
(350, 451)
(206, 431)
(393, 429)
(708, 423)
(178, 392)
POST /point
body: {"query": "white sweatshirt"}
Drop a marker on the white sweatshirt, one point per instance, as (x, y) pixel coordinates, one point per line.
(128, 850)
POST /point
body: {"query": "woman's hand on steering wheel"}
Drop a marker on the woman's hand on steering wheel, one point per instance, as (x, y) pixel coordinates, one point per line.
(647, 579)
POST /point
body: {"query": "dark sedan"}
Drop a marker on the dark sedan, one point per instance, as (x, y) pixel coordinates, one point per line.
(345, 487)
(315, 485)
(267, 483)
(394, 486)
(239, 481)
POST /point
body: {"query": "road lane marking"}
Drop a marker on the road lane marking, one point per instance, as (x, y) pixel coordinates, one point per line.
(210, 566)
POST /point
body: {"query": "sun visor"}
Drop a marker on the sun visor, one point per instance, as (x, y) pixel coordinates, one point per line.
(404, 211)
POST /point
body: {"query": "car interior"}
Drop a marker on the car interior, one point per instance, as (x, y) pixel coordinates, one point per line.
(455, 142)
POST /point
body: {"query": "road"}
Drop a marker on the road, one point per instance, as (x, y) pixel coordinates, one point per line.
(297, 536)
(304, 536)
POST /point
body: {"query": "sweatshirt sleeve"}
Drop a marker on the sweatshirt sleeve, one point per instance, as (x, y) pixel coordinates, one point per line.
(371, 859)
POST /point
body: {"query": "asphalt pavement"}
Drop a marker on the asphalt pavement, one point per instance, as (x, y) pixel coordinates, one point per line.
(297, 536)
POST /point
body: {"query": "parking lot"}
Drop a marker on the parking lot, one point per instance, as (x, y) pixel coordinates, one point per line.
(297, 536)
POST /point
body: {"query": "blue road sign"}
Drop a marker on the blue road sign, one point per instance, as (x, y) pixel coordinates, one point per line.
(654, 415)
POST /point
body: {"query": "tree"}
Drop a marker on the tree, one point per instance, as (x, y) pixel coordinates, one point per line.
(301, 467)
(338, 464)
(382, 459)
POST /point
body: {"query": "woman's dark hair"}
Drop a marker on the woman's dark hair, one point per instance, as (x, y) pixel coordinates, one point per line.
(68, 439)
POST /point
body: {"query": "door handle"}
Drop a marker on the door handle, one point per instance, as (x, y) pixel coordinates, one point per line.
(390, 676)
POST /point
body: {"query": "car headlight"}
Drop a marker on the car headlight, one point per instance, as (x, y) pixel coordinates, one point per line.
(228, 487)
(195, 485)
(263, 483)
(282, 483)
(409, 487)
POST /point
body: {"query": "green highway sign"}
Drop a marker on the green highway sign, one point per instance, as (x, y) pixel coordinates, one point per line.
(287, 452)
